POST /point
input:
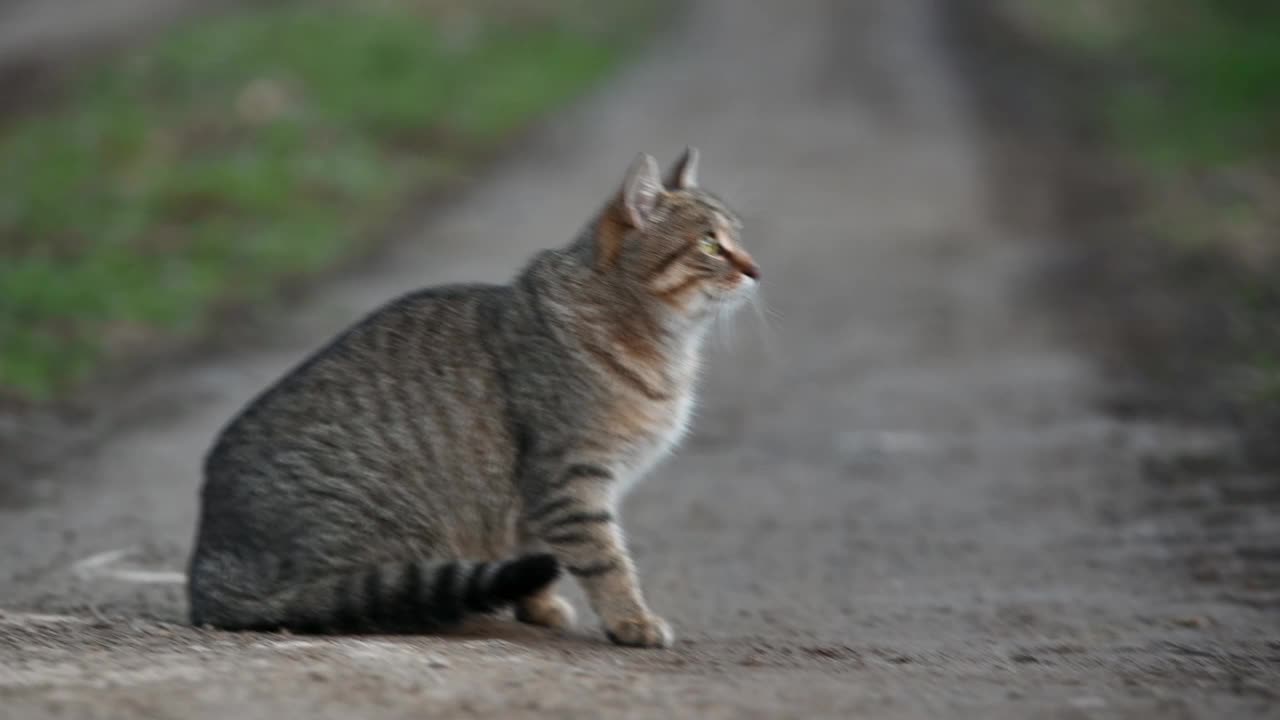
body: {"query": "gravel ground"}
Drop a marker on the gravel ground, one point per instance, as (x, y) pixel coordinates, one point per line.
(899, 500)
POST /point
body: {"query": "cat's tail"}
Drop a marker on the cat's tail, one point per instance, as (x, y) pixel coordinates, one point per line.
(405, 597)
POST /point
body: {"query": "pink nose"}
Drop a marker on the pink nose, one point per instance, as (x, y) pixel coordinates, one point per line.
(751, 270)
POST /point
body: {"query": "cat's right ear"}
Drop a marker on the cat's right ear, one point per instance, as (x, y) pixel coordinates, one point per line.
(684, 174)
(640, 190)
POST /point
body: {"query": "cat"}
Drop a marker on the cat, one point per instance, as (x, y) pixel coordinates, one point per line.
(451, 452)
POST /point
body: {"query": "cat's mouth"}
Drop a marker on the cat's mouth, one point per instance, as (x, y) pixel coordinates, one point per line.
(735, 291)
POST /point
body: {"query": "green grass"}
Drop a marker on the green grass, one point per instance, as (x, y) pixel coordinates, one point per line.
(1215, 98)
(238, 152)
(1188, 83)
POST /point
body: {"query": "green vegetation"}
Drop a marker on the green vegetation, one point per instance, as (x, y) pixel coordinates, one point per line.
(1194, 81)
(1217, 100)
(1189, 94)
(238, 152)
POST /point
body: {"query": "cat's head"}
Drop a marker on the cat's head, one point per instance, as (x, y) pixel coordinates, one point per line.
(673, 242)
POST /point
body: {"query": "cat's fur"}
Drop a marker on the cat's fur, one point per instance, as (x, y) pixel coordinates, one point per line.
(452, 451)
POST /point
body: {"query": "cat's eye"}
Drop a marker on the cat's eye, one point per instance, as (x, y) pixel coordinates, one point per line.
(710, 245)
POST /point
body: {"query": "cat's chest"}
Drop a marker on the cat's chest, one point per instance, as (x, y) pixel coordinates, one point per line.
(671, 422)
(647, 414)
(647, 430)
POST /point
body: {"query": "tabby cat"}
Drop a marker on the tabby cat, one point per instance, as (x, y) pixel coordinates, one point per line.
(451, 452)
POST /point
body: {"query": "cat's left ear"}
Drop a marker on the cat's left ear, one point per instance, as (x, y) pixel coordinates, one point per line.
(684, 174)
(640, 190)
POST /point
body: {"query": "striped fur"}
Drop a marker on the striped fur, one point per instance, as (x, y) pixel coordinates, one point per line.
(398, 597)
(452, 451)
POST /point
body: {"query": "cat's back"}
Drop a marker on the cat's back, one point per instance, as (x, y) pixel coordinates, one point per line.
(401, 411)
(426, 356)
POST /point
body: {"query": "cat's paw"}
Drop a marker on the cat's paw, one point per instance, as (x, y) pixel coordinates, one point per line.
(641, 631)
(549, 611)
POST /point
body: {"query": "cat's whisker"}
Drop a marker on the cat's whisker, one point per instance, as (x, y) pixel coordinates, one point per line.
(762, 312)
(770, 314)
(726, 330)
(719, 322)
(730, 318)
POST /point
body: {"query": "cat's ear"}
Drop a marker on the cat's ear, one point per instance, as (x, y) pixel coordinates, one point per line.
(684, 174)
(640, 190)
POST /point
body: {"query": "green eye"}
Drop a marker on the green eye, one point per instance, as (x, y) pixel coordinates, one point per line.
(709, 245)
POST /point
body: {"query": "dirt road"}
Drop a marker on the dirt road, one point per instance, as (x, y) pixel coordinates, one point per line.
(52, 28)
(899, 502)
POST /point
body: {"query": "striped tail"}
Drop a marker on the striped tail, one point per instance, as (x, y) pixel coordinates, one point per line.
(394, 598)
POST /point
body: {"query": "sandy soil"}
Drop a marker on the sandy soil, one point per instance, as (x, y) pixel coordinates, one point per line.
(899, 501)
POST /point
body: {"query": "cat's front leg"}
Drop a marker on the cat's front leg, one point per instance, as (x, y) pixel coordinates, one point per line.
(608, 575)
(576, 519)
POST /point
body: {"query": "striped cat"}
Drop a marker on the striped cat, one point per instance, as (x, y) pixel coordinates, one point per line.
(451, 452)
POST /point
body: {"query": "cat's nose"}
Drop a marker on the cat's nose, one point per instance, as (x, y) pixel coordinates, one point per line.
(744, 264)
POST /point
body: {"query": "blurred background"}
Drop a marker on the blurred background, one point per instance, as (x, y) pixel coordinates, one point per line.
(1161, 121)
(165, 161)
